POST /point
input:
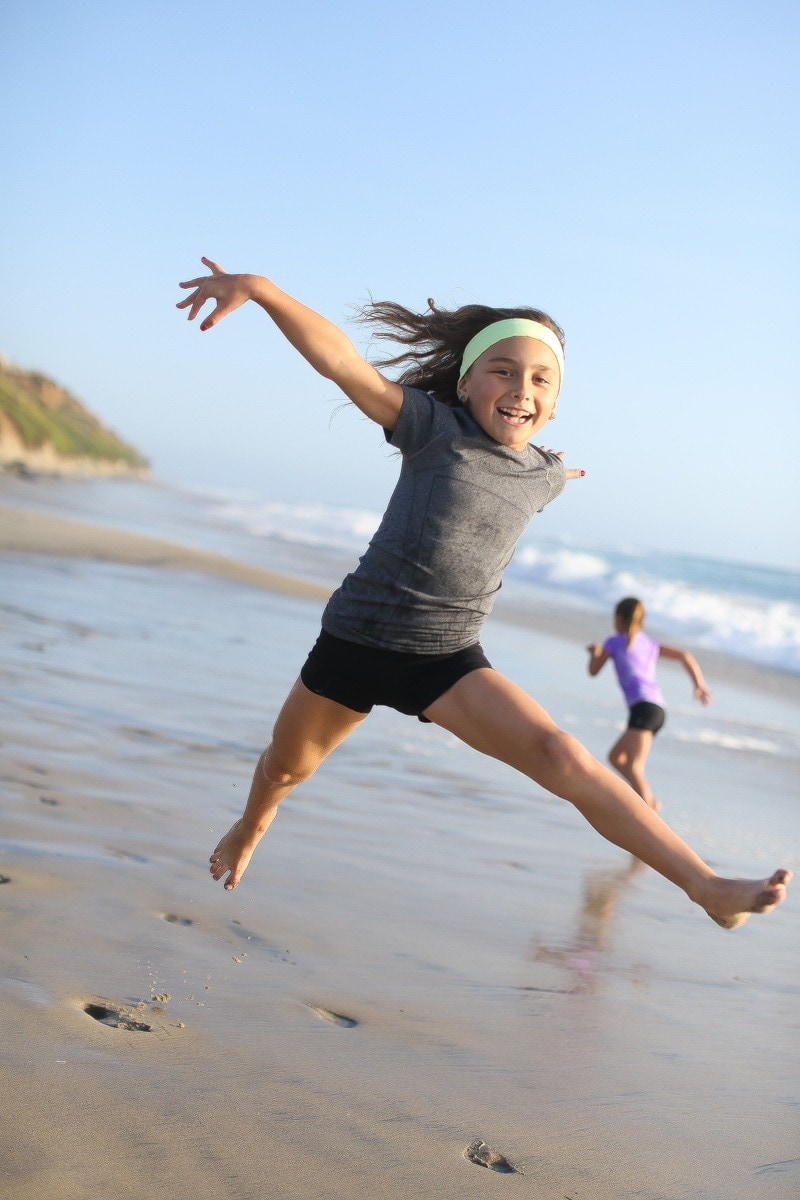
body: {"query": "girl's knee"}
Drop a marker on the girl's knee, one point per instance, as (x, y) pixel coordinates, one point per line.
(565, 755)
(618, 758)
(282, 771)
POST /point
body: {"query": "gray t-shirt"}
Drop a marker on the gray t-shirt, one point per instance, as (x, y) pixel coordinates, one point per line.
(430, 575)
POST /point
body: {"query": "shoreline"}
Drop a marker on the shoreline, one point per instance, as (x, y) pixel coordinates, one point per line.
(23, 531)
(28, 531)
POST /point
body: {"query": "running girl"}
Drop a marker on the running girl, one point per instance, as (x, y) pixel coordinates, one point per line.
(635, 655)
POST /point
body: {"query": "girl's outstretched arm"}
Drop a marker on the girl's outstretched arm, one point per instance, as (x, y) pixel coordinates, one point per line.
(598, 658)
(326, 347)
(692, 668)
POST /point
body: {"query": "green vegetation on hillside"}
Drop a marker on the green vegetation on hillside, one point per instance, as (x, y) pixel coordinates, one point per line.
(43, 412)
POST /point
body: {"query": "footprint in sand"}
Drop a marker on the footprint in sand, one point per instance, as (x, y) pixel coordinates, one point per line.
(335, 1018)
(5, 879)
(480, 1154)
(126, 854)
(117, 1018)
(174, 919)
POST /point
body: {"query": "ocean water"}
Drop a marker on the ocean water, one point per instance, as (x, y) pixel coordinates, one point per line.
(745, 610)
(742, 609)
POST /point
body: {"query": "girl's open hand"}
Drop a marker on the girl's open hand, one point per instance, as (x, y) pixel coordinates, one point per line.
(572, 472)
(229, 291)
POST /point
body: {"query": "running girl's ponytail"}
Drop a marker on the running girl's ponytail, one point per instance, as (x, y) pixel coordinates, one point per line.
(629, 615)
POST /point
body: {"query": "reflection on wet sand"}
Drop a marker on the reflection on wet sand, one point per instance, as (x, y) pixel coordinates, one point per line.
(582, 955)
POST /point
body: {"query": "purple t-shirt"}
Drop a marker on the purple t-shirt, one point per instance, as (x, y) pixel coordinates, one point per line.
(636, 666)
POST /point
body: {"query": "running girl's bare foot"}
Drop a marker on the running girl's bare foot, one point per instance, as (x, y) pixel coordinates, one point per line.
(233, 853)
(731, 901)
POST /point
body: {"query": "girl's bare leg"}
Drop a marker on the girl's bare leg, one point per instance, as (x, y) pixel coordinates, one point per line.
(308, 728)
(628, 756)
(493, 715)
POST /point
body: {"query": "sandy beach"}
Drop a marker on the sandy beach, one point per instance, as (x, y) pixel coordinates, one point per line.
(434, 981)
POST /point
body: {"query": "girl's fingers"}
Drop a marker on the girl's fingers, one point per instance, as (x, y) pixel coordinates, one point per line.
(213, 317)
(203, 291)
(194, 303)
(214, 267)
(572, 473)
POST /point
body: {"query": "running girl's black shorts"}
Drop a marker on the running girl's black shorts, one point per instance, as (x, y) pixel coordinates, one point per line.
(646, 715)
(362, 676)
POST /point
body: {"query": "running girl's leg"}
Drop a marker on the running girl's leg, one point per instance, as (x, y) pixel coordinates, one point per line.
(628, 756)
(496, 717)
(308, 728)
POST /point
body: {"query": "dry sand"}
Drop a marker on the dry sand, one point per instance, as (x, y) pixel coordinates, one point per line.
(407, 970)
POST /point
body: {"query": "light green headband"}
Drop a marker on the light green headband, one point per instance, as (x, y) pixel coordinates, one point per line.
(498, 331)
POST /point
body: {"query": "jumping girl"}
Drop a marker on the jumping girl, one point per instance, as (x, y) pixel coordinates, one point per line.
(476, 386)
(635, 655)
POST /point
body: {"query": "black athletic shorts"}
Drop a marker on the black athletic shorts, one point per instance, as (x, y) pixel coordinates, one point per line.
(361, 676)
(646, 715)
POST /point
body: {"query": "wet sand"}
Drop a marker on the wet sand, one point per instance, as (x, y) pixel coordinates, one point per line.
(25, 531)
(435, 980)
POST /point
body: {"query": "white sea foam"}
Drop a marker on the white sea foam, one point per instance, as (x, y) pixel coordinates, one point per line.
(304, 524)
(742, 609)
(753, 613)
(727, 741)
(559, 566)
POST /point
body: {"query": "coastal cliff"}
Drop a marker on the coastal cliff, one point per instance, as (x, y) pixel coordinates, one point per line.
(45, 430)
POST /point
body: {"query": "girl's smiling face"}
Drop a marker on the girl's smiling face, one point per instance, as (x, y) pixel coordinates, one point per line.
(511, 390)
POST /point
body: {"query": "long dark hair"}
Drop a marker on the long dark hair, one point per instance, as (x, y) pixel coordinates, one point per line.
(435, 340)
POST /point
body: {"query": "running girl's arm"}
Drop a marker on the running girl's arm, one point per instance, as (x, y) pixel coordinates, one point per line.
(326, 347)
(598, 658)
(692, 668)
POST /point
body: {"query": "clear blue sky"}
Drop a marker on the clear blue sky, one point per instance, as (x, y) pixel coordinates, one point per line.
(630, 167)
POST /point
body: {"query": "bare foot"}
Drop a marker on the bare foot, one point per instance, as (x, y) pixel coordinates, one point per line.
(233, 853)
(731, 901)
